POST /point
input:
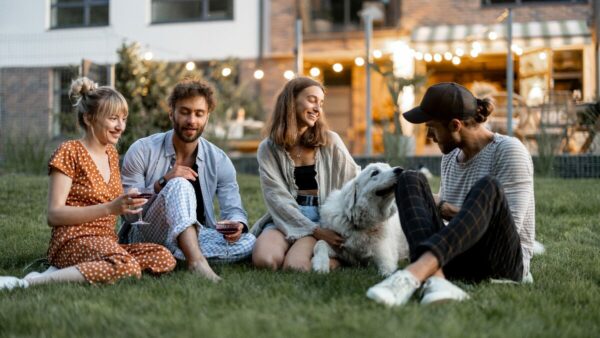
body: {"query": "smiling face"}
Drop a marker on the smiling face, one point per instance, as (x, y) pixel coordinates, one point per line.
(309, 107)
(108, 129)
(189, 118)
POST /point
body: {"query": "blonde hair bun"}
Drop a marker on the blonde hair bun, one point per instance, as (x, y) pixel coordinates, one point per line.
(80, 87)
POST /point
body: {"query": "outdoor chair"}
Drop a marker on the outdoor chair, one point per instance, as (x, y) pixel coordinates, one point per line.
(555, 124)
(523, 121)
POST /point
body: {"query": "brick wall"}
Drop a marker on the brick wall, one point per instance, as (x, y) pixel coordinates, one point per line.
(453, 12)
(26, 101)
(282, 30)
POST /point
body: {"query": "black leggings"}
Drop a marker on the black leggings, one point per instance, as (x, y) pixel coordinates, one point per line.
(480, 242)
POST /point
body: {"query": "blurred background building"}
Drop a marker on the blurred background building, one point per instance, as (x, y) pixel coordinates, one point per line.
(45, 44)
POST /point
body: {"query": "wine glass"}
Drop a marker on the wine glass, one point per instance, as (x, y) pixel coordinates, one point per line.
(227, 228)
(146, 193)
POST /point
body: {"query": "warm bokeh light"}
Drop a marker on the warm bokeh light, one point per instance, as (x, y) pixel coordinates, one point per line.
(359, 61)
(428, 57)
(226, 71)
(314, 72)
(492, 35)
(456, 60)
(190, 66)
(288, 74)
(419, 56)
(459, 52)
(148, 56)
(447, 56)
(437, 57)
(377, 54)
(259, 74)
(337, 67)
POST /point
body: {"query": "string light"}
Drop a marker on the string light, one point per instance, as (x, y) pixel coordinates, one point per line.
(459, 52)
(419, 56)
(359, 61)
(428, 57)
(288, 74)
(259, 74)
(437, 57)
(448, 56)
(542, 56)
(337, 67)
(314, 72)
(474, 53)
(226, 71)
(148, 56)
(377, 54)
(190, 66)
(492, 35)
(456, 60)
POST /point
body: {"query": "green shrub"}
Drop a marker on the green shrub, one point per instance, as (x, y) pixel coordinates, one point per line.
(25, 155)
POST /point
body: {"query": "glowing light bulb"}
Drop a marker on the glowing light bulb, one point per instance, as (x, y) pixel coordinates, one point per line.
(437, 57)
(288, 74)
(259, 74)
(447, 56)
(419, 56)
(148, 56)
(428, 57)
(226, 71)
(377, 53)
(314, 72)
(359, 61)
(190, 66)
(459, 52)
(337, 67)
(456, 60)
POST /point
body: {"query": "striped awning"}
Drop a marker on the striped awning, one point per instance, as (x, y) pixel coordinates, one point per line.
(532, 34)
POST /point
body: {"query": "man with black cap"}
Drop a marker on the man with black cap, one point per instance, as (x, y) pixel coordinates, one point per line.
(486, 198)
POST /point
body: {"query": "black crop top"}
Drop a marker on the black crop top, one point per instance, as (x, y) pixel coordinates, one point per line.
(306, 177)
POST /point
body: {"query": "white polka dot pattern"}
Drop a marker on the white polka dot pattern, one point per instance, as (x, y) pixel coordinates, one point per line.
(92, 246)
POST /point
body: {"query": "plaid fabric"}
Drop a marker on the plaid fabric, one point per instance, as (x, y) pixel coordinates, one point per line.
(171, 212)
(480, 242)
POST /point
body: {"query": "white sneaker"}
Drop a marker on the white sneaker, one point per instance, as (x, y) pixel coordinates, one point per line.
(395, 290)
(438, 289)
(8, 283)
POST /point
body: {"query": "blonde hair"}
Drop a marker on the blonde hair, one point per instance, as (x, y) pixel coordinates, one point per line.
(95, 102)
(282, 127)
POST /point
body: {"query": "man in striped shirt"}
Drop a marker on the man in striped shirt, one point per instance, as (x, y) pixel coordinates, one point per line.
(481, 225)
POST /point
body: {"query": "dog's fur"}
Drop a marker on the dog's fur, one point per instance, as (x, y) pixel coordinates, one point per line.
(364, 213)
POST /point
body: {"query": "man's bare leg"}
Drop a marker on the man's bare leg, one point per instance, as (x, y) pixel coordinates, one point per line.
(196, 262)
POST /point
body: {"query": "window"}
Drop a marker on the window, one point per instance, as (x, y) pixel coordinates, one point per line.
(191, 10)
(521, 2)
(343, 15)
(64, 120)
(79, 13)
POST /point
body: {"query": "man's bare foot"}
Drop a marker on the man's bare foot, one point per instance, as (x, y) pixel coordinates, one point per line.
(203, 269)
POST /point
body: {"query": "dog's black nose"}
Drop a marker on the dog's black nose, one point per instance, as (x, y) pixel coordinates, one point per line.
(398, 171)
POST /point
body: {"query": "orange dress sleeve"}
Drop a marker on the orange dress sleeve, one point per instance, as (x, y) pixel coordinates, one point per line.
(64, 159)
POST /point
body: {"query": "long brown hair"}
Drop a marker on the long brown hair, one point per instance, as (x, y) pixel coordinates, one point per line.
(282, 126)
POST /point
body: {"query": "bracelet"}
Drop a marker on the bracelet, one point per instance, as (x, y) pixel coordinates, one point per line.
(440, 204)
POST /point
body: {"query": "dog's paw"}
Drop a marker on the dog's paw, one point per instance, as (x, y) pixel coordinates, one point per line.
(320, 264)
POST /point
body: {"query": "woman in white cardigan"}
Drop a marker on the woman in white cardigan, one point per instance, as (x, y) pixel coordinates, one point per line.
(300, 163)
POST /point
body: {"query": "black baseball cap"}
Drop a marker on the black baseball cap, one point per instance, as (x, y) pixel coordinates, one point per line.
(444, 101)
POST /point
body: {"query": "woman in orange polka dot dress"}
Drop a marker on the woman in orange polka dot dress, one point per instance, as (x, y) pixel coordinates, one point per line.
(85, 198)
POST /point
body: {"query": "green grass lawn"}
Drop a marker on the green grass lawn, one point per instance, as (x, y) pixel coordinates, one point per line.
(564, 300)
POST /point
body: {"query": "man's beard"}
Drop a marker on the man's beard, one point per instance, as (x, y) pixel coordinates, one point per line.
(187, 139)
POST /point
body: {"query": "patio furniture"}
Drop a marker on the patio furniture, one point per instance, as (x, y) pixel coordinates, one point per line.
(523, 121)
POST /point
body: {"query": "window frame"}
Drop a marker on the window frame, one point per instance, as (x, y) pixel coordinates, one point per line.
(488, 3)
(86, 6)
(204, 16)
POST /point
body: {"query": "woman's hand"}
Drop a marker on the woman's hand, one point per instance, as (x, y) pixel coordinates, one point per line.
(331, 237)
(127, 204)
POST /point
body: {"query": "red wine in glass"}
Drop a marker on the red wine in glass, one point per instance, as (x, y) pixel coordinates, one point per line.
(146, 195)
(227, 229)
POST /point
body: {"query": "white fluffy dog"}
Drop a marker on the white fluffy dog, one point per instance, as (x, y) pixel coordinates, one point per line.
(364, 213)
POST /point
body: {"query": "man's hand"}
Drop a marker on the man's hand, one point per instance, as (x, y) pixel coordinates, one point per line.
(448, 211)
(181, 171)
(331, 237)
(235, 236)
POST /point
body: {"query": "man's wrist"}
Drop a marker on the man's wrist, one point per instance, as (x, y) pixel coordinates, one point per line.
(440, 204)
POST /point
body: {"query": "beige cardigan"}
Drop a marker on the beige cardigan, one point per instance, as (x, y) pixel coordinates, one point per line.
(334, 166)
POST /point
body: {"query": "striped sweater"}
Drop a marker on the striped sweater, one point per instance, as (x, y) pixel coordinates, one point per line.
(508, 161)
